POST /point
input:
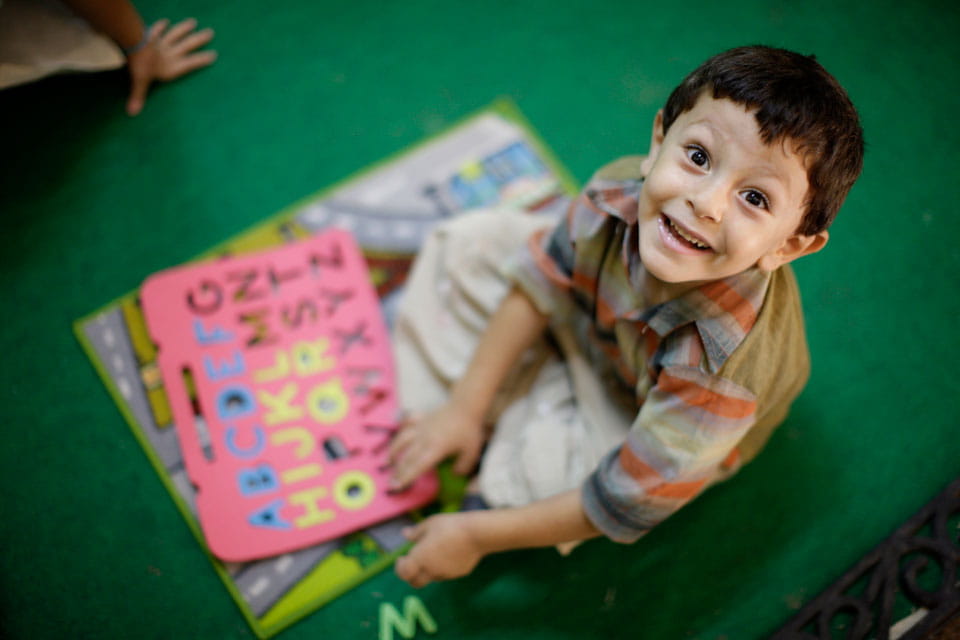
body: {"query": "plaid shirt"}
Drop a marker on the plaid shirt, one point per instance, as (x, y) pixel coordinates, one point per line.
(707, 375)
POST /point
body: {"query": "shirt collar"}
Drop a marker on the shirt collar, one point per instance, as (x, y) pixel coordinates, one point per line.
(723, 311)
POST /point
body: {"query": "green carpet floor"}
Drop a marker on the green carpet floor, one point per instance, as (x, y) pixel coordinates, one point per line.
(305, 93)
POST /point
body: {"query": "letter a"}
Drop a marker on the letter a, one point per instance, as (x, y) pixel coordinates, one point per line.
(269, 517)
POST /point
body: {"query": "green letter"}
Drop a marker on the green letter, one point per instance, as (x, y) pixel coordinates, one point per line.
(406, 626)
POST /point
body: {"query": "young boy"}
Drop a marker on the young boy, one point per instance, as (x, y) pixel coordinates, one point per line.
(674, 332)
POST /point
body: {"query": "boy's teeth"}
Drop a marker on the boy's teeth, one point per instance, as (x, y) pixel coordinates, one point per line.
(689, 239)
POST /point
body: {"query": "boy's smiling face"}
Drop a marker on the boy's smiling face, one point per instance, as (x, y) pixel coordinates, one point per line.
(717, 200)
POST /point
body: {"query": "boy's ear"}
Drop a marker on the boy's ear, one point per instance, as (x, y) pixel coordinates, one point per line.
(656, 139)
(796, 246)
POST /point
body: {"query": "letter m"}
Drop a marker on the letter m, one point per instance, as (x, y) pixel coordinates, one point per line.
(406, 626)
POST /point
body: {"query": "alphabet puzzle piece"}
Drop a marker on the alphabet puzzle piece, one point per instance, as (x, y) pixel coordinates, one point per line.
(279, 372)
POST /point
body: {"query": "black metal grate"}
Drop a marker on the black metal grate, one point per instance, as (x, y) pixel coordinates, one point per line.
(906, 588)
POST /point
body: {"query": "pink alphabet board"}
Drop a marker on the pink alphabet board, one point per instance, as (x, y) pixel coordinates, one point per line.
(279, 372)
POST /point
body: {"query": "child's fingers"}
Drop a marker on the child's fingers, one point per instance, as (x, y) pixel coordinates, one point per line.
(414, 533)
(192, 41)
(407, 468)
(420, 580)
(138, 94)
(405, 433)
(179, 30)
(416, 578)
(158, 28)
(399, 448)
(465, 462)
(410, 418)
(400, 441)
(406, 568)
(192, 62)
(409, 568)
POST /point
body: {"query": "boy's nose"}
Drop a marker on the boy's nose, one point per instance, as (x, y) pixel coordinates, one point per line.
(709, 201)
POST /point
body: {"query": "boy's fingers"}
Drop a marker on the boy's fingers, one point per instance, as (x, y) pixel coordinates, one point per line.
(409, 418)
(179, 30)
(138, 95)
(193, 41)
(464, 463)
(420, 580)
(193, 62)
(414, 533)
(157, 28)
(419, 462)
(407, 470)
(406, 568)
(399, 442)
(411, 571)
(410, 462)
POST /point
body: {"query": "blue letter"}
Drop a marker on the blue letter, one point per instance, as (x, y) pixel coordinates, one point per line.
(233, 402)
(219, 334)
(262, 479)
(269, 516)
(245, 453)
(225, 370)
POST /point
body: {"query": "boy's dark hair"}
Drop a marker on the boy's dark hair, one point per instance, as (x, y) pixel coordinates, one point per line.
(796, 100)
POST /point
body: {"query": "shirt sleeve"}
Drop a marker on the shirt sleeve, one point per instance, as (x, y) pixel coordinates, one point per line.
(543, 269)
(546, 267)
(685, 432)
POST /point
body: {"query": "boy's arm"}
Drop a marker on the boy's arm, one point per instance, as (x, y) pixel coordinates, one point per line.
(450, 545)
(153, 54)
(119, 20)
(457, 427)
(515, 325)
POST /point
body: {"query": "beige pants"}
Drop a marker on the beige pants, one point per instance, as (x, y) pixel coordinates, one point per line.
(551, 423)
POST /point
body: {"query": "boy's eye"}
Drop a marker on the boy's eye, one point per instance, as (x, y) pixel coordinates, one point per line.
(756, 198)
(697, 156)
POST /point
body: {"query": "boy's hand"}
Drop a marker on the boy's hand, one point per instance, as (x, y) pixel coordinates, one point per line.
(425, 441)
(451, 544)
(168, 54)
(445, 548)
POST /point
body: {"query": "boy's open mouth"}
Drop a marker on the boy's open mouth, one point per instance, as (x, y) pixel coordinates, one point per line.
(683, 236)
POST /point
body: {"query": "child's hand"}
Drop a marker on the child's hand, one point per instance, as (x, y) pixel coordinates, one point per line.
(168, 54)
(425, 441)
(445, 548)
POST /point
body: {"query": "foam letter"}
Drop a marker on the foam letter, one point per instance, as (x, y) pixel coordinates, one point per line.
(406, 626)
(327, 402)
(235, 401)
(308, 357)
(301, 473)
(250, 452)
(261, 330)
(354, 490)
(306, 443)
(207, 286)
(226, 370)
(295, 319)
(280, 409)
(204, 337)
(280, 369)
(269, 516)
(261, 479)
(245, 291)
(314, 515)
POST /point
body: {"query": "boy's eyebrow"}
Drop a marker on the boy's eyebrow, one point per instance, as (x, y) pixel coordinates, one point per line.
(762, 171)
(707, 125)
